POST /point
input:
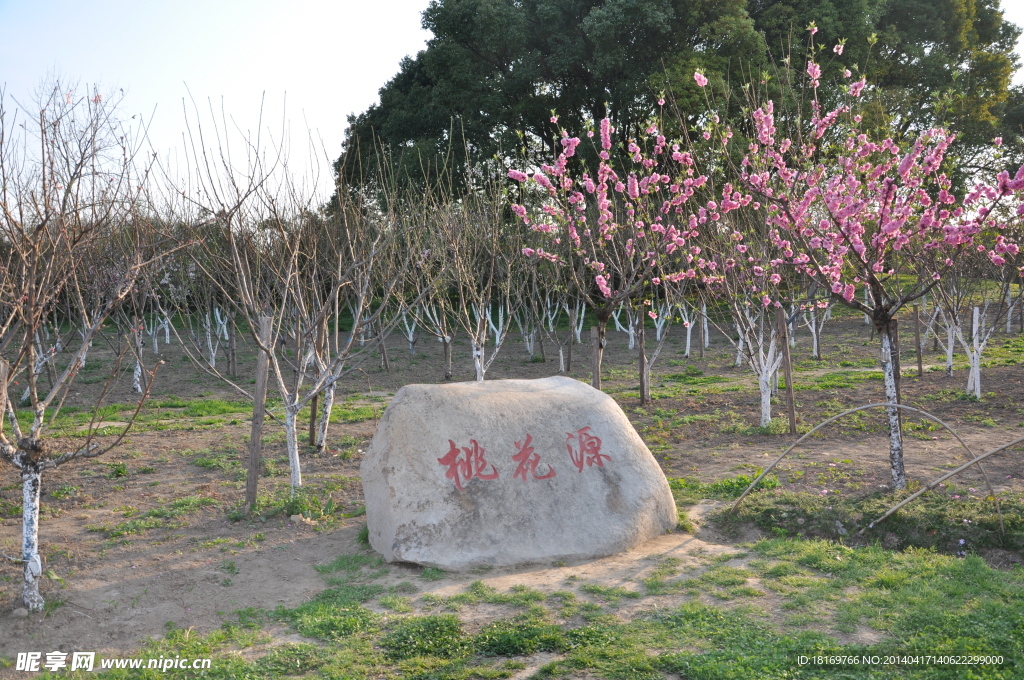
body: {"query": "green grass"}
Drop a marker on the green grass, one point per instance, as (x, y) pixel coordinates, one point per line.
(611, 595)
(936, 520)
(688, 491)
(440, 635)
(917, 601)
(478, 591)
(214, 407)
(837, 380)
(306, 501)
(156, 517)
(353, 413)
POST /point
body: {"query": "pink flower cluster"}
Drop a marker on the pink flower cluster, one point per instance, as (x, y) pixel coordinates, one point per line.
(652, 217)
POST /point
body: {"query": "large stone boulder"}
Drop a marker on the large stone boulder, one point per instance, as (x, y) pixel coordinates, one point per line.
(509, 472)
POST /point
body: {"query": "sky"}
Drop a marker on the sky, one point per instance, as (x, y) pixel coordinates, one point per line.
(310, 62)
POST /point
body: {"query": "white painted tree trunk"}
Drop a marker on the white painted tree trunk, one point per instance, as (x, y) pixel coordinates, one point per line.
(222, 323)
(31, 481)
(409, 331)
(1009, 312)
(950, 330)
(980, 334)
(899, 476)
(762, 352)
(630, 327)
(84, 350)
(812, 324)
(325, 416)
(764, 386)
(664, 318)
(704, 320)
(41, 359)
(791, 325)
(739, 348)
(685, 313)
(478, 361)
(579, 316)
(526, 330)
(291, 436)
(212, 341)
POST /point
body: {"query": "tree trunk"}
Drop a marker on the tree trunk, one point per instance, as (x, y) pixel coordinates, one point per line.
(31, 480)
(447, 358)
(568, 351)
(601, 342)
(478, 360)
(232, 351)
(949, 347)
(325, 418)
(645, 373)
(764, 386)
(383, 348)
(291, 435)
(705, 334)
(899, 476)
(312, 419)
(701, 330)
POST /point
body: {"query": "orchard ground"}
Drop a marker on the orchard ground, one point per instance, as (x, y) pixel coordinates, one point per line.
(146, 552)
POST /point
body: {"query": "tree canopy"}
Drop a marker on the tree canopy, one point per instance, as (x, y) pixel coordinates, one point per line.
(496, 71)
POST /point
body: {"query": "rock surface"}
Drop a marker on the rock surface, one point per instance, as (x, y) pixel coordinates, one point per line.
(508, 472)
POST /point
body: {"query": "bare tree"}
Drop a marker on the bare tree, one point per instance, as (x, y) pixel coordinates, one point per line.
(69, 187)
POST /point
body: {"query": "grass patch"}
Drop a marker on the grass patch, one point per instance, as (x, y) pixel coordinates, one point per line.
(440, 635)
(688, 491)
(200, 408)
(156, 517)
(609, 594)
(838, 380)
(936, 520)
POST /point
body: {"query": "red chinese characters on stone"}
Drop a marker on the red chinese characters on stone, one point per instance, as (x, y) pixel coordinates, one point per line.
(586, 450)
(528, 461)
(467, 463)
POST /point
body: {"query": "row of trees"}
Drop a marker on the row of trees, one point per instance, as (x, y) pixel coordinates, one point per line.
(791, 207)
(804, 205)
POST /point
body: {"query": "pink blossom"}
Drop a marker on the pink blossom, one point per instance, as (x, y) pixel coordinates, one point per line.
(517, 176)
(699, 77)
(856, 89)
(998, 141)
(814, 71)
(838, 49)
(661, 102)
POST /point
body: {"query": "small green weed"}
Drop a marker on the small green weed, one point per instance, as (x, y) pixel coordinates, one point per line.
(440, 635)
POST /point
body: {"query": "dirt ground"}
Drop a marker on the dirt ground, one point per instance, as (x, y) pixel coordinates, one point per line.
(114, 593)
